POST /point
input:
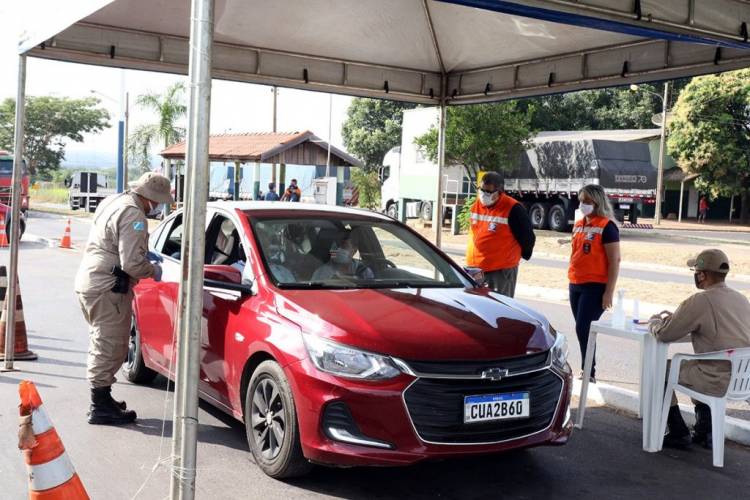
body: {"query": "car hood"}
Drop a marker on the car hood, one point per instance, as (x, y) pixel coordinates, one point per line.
(420, 324)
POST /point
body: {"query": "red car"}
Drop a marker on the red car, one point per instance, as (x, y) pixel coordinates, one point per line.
(342, 337)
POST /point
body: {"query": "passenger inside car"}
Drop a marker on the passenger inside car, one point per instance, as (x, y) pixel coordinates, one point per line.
(341, 263)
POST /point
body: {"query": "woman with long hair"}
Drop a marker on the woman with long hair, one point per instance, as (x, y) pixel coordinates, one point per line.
(594, 263)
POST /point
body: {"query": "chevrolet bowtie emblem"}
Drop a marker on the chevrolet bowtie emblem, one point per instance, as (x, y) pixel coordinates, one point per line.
(494, 374)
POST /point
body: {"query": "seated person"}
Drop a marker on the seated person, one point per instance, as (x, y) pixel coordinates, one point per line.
(342, 263)
(716, 319)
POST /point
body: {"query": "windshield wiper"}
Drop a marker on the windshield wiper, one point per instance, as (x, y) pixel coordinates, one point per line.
(410, 284)
(315, 285)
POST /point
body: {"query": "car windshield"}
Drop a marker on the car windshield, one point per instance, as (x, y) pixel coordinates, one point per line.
(336, 251)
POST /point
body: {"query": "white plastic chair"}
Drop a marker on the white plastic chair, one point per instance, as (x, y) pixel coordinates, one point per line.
(738, 390)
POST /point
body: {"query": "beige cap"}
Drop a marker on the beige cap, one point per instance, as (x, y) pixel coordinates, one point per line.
(712, 259)
(154, 187)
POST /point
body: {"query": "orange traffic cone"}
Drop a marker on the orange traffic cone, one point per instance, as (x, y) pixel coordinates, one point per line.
(65, 241)
(21, 350)
(3, 233)
(51, 473)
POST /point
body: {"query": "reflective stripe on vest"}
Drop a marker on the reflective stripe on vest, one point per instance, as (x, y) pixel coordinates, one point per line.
(588, 260)
(492, 245)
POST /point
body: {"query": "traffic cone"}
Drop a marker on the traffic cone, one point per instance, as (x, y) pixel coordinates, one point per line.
(21, 350)
(65, 241)
(3, 233)
(51, 473)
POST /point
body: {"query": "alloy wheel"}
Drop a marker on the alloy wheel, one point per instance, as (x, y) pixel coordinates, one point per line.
(267, 418)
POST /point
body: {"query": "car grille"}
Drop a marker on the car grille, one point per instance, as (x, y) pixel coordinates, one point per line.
(513, 365)
(436, 407)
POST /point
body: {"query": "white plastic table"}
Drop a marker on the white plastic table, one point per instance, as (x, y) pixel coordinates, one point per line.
(653, 355)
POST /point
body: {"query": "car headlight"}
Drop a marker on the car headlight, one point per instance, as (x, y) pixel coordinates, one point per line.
(559, 352)
(344, 361)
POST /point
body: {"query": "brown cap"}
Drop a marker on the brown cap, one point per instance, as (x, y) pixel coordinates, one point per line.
(154, 187)
(712, 259)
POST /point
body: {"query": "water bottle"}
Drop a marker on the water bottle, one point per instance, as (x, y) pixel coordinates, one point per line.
(636, 311)
(618, 314)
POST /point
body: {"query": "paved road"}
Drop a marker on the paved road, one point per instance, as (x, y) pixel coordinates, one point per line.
(735, 236)
(603, 461)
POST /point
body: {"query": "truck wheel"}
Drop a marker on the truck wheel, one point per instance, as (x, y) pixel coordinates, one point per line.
(538, 215)
(620, 215)
(633, 218)
(426, 211)
(558, 219)
(392, 210)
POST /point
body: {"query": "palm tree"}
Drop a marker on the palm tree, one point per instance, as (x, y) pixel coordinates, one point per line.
(170, 109)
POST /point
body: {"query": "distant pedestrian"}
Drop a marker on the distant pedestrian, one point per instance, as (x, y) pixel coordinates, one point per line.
(702, 209)
(292, 193)
(594, 263)
(500, 235)
(271, 195)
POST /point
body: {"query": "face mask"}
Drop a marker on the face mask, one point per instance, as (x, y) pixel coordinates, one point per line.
(155, 210)
(488, 199)
(586, 208)
(341, 256)
(697, 280)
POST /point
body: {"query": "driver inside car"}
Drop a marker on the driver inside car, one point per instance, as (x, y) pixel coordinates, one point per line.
(342, 263)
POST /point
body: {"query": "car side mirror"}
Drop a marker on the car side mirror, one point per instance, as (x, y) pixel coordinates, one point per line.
(225, 282)
(476, 274)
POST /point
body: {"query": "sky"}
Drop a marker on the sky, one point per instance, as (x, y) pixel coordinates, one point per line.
(235, 107)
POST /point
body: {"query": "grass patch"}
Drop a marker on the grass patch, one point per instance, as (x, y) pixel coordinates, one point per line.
(50, 195)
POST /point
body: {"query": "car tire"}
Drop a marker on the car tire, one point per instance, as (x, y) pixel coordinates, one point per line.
(538, 215)
(558, 219)
(134, 369)
(425, 211)
(392, 210)
(274, 440)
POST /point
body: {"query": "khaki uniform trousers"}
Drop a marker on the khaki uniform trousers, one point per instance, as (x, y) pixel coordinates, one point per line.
(109, 316)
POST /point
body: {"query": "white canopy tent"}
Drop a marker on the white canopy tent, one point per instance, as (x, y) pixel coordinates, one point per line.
(440, 52)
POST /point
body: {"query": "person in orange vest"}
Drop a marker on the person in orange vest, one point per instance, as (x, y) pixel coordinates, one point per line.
(292, 193)
(500, 234)
(594, 263)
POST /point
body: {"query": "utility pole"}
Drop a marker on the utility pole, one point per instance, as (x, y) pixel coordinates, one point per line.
(660, 171)
(330, 113)
(275, 96)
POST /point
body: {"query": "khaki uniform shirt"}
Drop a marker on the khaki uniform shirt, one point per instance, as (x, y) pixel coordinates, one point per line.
(716, 319)
(118, 237)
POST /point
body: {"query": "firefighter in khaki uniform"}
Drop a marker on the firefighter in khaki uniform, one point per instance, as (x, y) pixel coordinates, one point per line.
(114, 260)
(499, 235)
(717, 318)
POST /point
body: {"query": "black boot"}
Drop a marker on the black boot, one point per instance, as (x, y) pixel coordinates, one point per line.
(678, 434)
(702, 429)
(106, 411)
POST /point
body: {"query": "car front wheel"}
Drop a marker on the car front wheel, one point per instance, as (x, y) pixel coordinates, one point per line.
(271, 423)
(134, 368)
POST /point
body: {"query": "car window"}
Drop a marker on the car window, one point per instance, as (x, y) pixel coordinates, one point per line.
(223, 243)
(172, 243)
(336, 252)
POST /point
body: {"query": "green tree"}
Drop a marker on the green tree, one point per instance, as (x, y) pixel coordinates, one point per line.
(170, 109)
(710, 134)
(372, 128)
(481, 137)
(368, 187)
(50, 123)
(601, 109)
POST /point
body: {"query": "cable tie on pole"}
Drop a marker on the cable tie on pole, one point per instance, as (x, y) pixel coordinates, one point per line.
(487, 88)
(111, 51)
(432, 93)
(454, 93)
(386, 87)
(743, 32)
(717, 56)
(625, 69)
(305, 76)
(550, 79)
(637, 10)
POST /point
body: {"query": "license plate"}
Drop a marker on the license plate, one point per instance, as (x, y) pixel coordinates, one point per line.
(624, 206)
(496, 407)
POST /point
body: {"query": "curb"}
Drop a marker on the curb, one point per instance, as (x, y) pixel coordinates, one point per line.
(735, 429)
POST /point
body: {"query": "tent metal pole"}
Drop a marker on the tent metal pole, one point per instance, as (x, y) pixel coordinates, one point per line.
(437, 217)
(660, 171)
(193, 252)
(15, 210)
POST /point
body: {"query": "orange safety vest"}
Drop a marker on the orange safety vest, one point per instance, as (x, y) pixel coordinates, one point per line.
(588, 261)
(492, 245)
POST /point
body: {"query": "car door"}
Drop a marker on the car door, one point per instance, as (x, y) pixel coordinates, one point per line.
(157, 301)
(222, 312)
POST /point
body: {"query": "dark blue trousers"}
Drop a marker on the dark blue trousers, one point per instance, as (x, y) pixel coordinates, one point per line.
(586, 303)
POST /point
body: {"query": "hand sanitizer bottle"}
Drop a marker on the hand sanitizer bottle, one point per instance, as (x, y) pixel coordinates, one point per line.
(636, 311)
(618, 315)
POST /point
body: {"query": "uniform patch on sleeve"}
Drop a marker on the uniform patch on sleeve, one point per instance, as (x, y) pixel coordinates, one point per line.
(138, 225)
